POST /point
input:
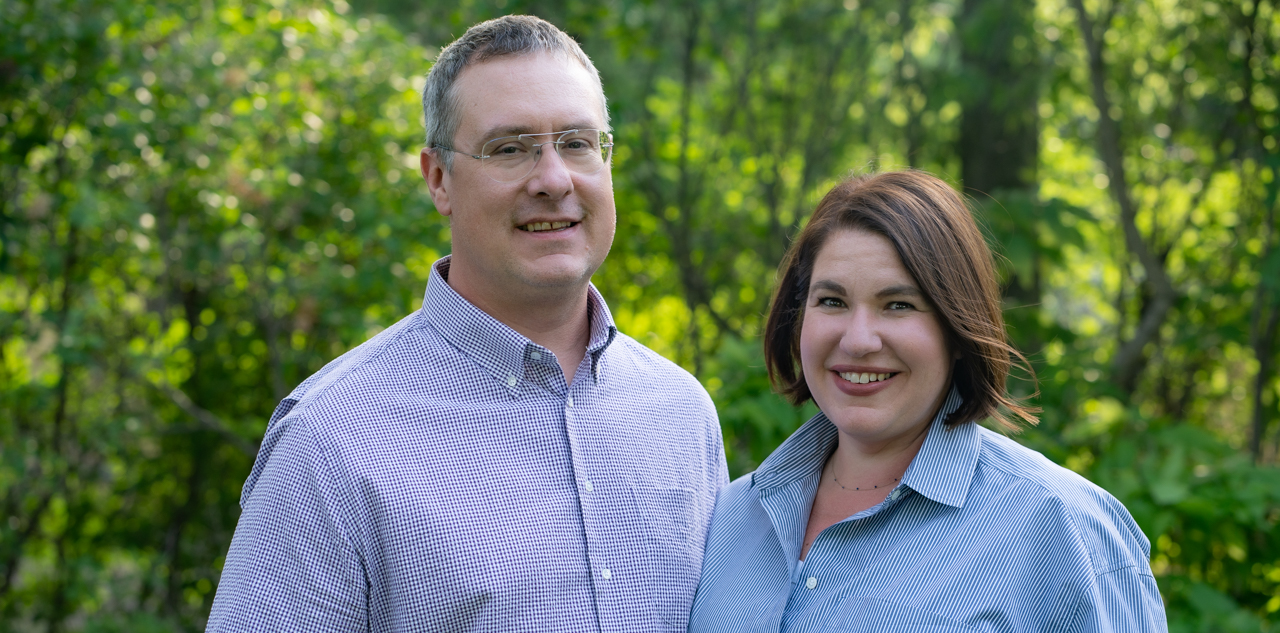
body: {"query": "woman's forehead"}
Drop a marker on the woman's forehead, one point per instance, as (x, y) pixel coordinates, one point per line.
(854, 257)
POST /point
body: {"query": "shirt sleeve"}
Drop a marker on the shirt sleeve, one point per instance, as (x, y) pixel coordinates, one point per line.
(291, 565)
(722, 465)
(1125, 599)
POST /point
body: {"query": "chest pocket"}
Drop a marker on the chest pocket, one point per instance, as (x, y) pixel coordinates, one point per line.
(865, 615)
(669, 513)
(675, 555)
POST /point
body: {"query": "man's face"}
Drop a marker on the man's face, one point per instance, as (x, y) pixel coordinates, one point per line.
(499, 252)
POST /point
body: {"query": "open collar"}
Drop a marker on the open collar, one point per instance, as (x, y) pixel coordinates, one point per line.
(492, 344)
(942, 470)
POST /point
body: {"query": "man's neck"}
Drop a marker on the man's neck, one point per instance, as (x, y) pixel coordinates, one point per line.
(555, 319)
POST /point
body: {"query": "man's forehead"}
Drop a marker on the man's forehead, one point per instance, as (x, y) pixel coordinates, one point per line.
(522, 94)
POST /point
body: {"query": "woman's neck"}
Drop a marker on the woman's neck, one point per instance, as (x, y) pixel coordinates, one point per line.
(855, 477)
(857, 463)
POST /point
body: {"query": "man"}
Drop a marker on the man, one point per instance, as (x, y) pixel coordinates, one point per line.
(503, 459)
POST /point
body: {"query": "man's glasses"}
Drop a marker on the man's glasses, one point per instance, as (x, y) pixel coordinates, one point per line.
(512, 158)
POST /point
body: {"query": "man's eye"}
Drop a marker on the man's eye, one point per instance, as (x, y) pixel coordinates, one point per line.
(576, 144)
(509, 149)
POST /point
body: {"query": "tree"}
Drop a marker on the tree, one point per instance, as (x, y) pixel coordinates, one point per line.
(202, 204)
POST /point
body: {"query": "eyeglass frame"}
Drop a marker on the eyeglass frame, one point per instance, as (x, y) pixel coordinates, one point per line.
(538, 146)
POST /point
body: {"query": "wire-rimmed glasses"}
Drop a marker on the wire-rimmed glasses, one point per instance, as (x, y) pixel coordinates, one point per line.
(512, 158)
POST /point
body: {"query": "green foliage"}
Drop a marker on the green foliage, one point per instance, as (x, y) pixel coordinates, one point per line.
(200, 204)
(755, 419)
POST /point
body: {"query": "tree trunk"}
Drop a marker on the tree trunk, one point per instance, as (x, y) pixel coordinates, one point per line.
(1000, 125)
(1158, 290)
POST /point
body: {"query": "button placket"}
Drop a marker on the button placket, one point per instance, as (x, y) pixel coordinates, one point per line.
(600, 549)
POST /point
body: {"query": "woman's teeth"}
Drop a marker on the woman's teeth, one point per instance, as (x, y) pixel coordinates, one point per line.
(534, 227)
(863, 378)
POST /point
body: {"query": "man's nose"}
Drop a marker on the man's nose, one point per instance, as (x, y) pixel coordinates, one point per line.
(551, 177)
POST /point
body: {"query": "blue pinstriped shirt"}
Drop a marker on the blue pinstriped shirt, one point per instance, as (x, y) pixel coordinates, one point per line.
(981, 535)
(444, 477)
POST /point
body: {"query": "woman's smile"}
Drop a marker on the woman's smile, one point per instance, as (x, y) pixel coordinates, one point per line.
(874, 352)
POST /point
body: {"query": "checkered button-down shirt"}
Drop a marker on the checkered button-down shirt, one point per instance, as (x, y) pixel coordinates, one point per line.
(444, 477)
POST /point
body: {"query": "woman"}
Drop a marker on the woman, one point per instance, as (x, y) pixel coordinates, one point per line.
(892, 510)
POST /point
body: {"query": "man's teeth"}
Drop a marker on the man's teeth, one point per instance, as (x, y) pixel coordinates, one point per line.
(863, 378)
(534, 227)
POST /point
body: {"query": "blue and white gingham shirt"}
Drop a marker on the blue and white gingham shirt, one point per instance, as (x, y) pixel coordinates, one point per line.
(443, 477)
(981, 535)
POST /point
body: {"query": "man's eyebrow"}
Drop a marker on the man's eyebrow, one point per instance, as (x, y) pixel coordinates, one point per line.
(516, 130)
(828, 285)
(504, 130)
(899, 291)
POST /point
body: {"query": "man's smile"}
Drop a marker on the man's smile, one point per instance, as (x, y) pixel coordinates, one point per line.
(538, 227)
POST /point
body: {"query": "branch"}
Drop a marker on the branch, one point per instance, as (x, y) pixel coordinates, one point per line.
(207, 419)
(1129, 360)
(1264, 349)
(1263, 337)
(14, 555)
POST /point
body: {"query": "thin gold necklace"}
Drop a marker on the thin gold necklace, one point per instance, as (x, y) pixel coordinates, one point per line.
(843, 487)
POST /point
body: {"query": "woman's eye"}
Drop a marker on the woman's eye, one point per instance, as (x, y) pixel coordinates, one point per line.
(830, 302)
(900, 305)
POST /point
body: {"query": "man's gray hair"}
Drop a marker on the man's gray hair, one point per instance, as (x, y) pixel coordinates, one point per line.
(507, 35)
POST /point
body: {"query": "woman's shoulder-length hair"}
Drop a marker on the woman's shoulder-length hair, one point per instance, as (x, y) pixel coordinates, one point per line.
(943, 249)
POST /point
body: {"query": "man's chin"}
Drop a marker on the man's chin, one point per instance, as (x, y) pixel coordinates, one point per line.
(557, 271)
(562, 279)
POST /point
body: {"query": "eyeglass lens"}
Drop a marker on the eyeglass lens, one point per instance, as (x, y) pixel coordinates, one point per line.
(511, 158)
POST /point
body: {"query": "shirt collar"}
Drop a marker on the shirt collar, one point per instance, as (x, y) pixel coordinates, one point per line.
(491, 343)
(941, 471)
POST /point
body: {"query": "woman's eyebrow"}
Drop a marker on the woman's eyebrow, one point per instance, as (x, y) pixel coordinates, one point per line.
(899, 291)
(828, 285)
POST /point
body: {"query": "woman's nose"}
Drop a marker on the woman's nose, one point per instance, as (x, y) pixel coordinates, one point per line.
(861, 334)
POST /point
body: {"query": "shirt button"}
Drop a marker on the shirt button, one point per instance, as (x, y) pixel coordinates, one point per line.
(569, 402)
(511, 381)
(606, 574)
(535, 355)
(590, 488)
(810, 583)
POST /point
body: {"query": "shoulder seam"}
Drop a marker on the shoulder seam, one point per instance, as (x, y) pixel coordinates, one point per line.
(340, 520)
(304, 403)
(1076, 532)
(1118, 568)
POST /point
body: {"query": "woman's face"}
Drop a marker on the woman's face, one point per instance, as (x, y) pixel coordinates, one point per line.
(874, 352)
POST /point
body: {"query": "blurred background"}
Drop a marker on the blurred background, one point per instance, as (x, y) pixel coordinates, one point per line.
(201, 203)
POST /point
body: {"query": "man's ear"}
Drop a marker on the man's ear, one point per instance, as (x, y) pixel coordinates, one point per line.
(433, 171)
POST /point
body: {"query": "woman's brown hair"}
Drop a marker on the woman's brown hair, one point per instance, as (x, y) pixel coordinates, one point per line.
(943, 249)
